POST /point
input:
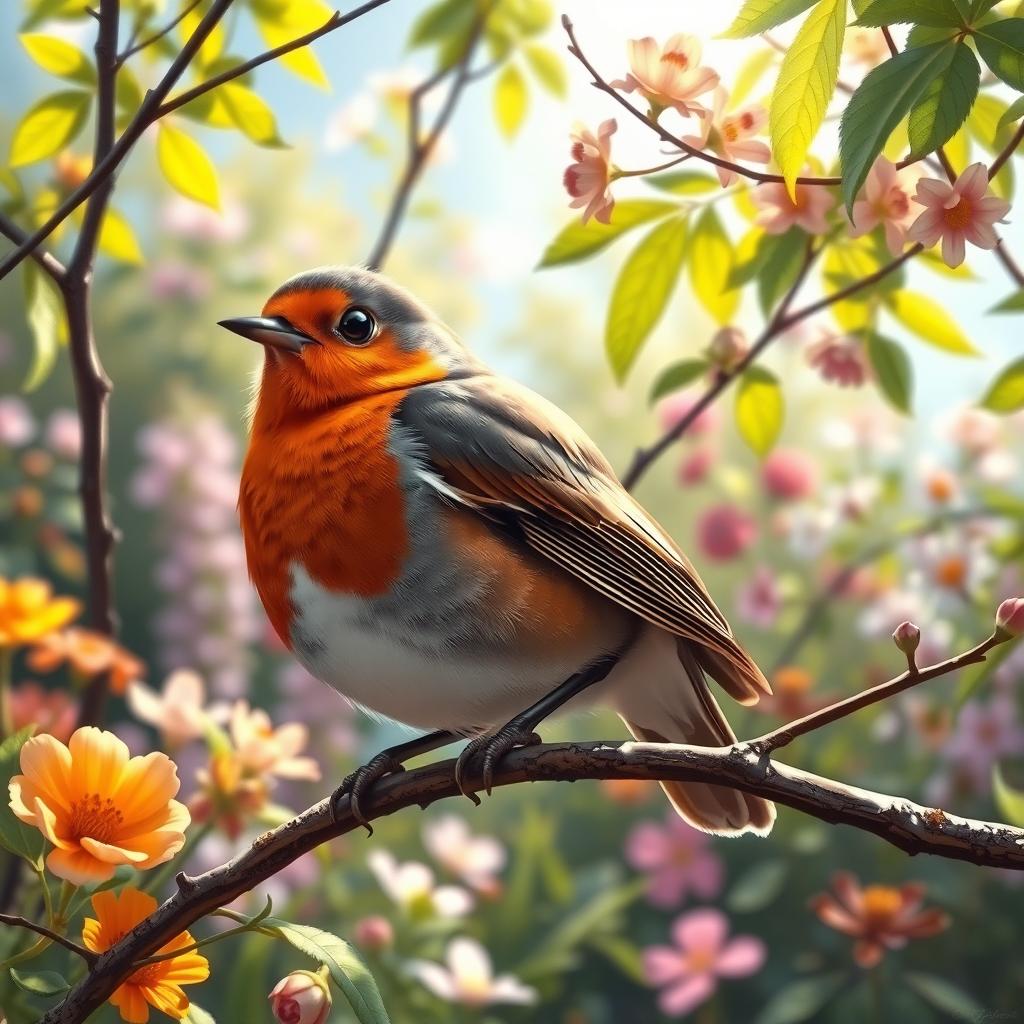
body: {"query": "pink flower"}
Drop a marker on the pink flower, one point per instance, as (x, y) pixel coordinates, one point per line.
(17, 427)
(886, 199)
(759, 600)
(473, 859)
(789, 474)
(51, 711)
(467, 977)
(374, 933)
(695, 467)
(839, 359)
(1010, 616)
(587, 178)
(725, 532)
(777, 213)
(670, 75)
(64, 434)
(730, 136)
(678, 860)
(303, 997)
(983, 734)
(179, 711)
(411, 886)
(265, 750)
(688, 972)
(678, 406)
(958, 213)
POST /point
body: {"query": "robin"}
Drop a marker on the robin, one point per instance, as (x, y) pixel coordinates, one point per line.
(447, 548)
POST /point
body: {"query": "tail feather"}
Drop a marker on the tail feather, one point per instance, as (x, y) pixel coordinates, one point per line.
(660, 710)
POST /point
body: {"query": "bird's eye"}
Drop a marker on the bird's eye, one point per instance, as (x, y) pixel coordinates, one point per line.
(357, 326)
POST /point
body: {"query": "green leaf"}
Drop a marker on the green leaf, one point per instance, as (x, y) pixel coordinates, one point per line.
(780, 267)
(348, 971)
(1006, 392)
(547, 68)
(43, 10)
(577, 241)
(59, 57)
(750, 73)
(892, 370)
(197, 1015)
(642, 291)
(40, 983)
(943, 107)
(881, 101)
(760, 409)
(450, 17)
(49, 126)
(805, 85)
(250, 114)
(47, 321)
(1013, 113)
(684, 183)
(710, 259)
(16, 837)
(677, 376)
(1012, 304)
(1009, 800)
(127, 91)
(757, 888)
(944, 996)
(510, 100)
(929, 321)
(280, 23)
(801, 1000)
(186, 166)
(117, 239)
(1001, 45)
(935, 13)
(758, 16)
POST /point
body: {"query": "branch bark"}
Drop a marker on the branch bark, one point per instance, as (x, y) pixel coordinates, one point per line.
(14, 921)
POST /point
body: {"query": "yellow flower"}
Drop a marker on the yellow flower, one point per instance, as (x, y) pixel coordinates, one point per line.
(156, 984)
(28, 611)
(98, 806)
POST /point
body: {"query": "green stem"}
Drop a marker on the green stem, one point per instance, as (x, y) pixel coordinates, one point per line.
(618, 172)
(158, 878)
(47, 896)
(37, 947)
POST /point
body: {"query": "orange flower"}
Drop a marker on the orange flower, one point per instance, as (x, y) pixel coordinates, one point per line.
(98, 806)
(879, 917)
(29, 611)
(89, 653)
(158, 984)
(227, 794)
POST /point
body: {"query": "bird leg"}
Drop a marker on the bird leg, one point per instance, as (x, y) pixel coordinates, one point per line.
(519, 732)
(388, 761)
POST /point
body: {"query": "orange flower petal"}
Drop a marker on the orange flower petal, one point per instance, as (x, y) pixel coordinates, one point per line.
(167, 999)
(131, 1003)
(49, 824)
(110, 854)
(78, 867)
(145, 786)
(99, 758)
(47, 763)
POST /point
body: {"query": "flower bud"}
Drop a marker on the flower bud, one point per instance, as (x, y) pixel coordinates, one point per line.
(1010, 617)
(374, 933)
(906, 636)
(727, 348)
(303, 997)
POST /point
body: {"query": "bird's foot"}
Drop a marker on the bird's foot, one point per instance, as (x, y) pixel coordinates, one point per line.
(491, 748)
(360, 782)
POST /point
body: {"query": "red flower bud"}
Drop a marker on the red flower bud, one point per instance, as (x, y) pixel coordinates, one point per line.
(303, 997)
(906, 636)
(374, 933)
(1010, 617)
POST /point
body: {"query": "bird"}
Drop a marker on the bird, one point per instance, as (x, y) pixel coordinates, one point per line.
(447, 548)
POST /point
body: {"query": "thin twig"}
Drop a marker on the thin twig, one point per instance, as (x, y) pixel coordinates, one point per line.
(1007, 151)
(46, 260)
(40, 929)
(133, 48)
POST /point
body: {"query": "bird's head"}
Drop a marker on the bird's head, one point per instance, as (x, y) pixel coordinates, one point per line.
(339, 334)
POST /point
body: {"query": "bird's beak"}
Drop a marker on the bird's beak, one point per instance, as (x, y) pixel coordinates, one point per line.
(272, 331)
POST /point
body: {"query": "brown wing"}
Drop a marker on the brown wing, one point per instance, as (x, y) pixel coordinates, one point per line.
(501, 448)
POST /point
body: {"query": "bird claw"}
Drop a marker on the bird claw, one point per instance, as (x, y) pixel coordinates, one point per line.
(492, 747)
(360, 782)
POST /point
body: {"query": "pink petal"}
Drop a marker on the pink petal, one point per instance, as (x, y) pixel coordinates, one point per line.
(648, 846)
(663, 964)
(687, 995)
(931, 191)
(701, 930)
(993, 207)
(927, 229)
(743, 956)
(982, 235)
(973, 182)
(953, 248)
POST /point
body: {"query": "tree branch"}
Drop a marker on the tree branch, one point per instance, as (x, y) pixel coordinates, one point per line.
(134, 48)
(46, 260)
(40, 929)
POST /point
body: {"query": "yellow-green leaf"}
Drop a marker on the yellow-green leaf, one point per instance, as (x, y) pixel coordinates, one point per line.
(250, 114)
(548, 68)
(213, 44)
(750, 73)
(642, 291)
(1009, 799)
(117, 239)
(760, 409)
(805, 85)
(59, 57)
(711, 261)
(44, 311)
(929, 321)
(756, 16)
(281, 23)
(577, 241)
(510, 99)
(1006, 393)
(186, 166)
(49, 126)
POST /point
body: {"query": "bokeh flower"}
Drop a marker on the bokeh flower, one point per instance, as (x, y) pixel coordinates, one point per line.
(731, 135)
(374, 933)
(678, 860)
(29, 611)
(958, 213)
(227, 794)
(17, 425)
(983, 733)
(789, 474)
(262, 749)
(412, 887)
(759, 598)
(839, 359)
(695, 466)
(670, 75)
(50, 711)
(474, 859)
(467, 977)
(99, 807)
(159, 984)
(588, 177)
(725, 532)
(302, 997)
(688, 972)
(64, 434)
(777, 212)
(678, 406)
(887, 200)
(178, 712)
(88, 654)
(879, 917)
(793, 694)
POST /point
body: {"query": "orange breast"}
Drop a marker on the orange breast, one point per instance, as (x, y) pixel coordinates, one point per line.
(323, 491)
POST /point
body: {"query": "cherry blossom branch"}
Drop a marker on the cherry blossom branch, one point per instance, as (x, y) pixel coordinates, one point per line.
(14, 921)
(745, 766)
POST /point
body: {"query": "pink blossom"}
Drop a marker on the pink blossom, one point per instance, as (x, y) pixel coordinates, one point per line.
(587, 178)
(374, 933)
(475, 860)
(303, 997)
(688, 972)
(196, 221)
(695, 466)
(983, 734)
(669, 75)
(677, 859)
(730, 136)
(265, 750)
(1010, 616)
(958, 213)
(839, 359)
(758, 600)
(777, 212)
(17, 426)
(974, 430)
(467, 977)
(886, 199)
(64, 434)
(678, 406)
(789, 474)
(725, 532)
